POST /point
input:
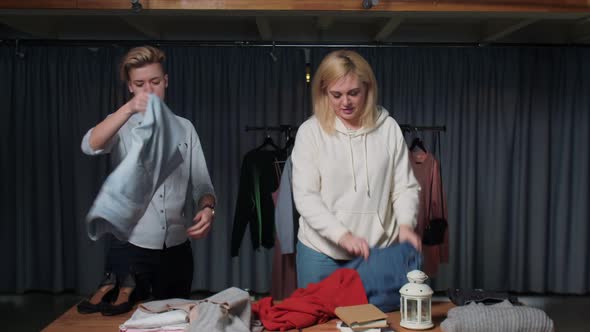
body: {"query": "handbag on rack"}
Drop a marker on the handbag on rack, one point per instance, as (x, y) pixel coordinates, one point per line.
(434, 233)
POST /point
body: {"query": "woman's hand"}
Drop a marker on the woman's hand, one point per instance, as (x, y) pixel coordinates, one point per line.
(407, 234)
(139, 102)
(354, 245)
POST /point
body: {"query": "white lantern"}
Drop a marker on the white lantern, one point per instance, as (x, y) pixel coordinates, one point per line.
(416, 302)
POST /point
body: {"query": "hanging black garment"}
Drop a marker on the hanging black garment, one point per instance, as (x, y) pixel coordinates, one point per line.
(259, 178)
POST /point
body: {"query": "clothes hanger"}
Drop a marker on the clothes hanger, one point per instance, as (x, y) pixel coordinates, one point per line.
(268, 142)
(290, 140)
(417, 143)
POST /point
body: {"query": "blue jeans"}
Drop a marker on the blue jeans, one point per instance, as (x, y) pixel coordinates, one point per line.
(313, 266)
(383, 274)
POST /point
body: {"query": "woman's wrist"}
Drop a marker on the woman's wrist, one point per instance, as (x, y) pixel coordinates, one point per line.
(343, 238)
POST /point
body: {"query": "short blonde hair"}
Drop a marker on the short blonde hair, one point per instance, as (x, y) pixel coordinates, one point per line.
(334, 66)
(139, 57)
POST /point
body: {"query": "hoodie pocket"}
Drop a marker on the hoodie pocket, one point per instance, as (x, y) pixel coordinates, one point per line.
(367, 225)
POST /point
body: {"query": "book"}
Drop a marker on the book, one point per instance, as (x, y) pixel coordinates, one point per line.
(362, 317)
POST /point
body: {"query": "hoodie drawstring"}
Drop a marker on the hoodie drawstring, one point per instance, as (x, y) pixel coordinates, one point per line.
(366, 163)
(351, 159)
(366, 167)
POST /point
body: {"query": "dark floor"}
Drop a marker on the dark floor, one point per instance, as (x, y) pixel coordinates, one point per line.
(568, 312)
(34, 310)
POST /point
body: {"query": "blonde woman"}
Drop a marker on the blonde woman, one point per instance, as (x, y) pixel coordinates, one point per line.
(352, 180)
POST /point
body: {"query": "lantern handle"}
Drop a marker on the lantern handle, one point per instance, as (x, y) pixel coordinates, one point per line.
(417, 276)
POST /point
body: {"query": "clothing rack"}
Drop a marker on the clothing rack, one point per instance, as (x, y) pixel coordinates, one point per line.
(404, 127)
(287, 130)
(411, 128)
(271, 128)
(417, 141)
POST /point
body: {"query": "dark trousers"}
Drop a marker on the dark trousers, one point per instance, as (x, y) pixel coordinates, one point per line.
(159, 273)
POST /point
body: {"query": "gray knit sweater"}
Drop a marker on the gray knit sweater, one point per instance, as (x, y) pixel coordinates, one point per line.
(501, 317)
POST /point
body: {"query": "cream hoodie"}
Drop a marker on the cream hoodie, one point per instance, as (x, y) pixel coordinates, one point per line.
(359, 181)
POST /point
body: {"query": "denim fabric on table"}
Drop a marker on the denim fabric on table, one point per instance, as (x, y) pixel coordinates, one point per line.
(384, 273)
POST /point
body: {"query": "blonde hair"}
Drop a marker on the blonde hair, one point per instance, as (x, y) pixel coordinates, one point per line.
(139, 57)
(333, 67)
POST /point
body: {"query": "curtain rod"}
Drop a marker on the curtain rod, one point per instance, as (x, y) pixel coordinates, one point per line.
(271, 128)
(409, 127)
(235, 43)
(404, 127)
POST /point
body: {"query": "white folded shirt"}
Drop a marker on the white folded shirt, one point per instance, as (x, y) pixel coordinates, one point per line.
(169, 320)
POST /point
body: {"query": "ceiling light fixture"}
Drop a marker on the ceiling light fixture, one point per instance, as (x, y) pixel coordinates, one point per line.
(136, 6)
(368, 4)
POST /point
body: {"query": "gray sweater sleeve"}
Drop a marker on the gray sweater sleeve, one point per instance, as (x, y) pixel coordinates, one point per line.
(284, 212)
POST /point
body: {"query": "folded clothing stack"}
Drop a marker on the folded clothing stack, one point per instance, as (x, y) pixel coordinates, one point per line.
(503, 316)
(226, 311)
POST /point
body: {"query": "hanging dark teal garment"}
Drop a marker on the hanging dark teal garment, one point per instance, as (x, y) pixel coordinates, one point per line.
(259, 178)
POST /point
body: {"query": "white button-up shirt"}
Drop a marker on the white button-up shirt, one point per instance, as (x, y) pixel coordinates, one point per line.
(171, 209)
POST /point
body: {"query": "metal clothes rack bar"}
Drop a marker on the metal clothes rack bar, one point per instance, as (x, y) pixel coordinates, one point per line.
(286, 130)
(404, 127)
(271, 128)
(410, 128)
(244, 43)
(224, 43)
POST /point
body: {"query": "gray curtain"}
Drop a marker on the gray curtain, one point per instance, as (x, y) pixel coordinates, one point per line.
(515, 155)
(515, 158)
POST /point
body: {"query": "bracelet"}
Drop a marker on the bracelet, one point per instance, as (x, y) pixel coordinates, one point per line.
(209, 206)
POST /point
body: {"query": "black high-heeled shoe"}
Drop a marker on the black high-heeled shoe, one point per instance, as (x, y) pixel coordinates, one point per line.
(107, 290)
(125, 300)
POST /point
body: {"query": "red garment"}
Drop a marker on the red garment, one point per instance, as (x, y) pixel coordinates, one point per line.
(432, 205)
(314, 304)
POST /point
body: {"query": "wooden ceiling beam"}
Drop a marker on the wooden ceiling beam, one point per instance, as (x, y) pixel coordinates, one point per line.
(32, 4)
(314, 5)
